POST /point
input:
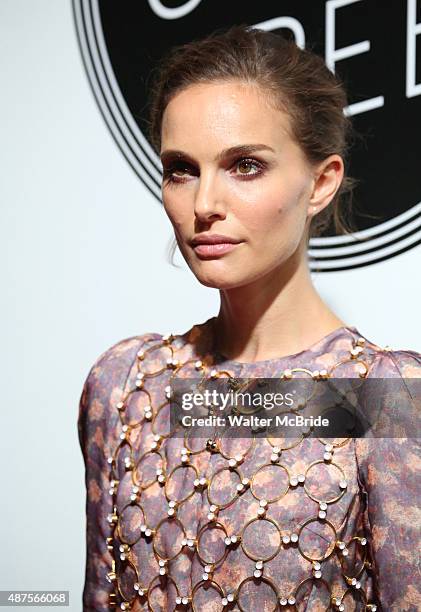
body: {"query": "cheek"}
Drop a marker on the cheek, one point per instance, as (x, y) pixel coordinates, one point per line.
(276, 210)
(176, 209)
(267, 215)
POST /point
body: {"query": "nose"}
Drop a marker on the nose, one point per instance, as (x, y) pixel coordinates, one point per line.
(209, 203)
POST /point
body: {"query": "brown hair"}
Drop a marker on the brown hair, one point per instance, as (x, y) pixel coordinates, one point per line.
(297, 79)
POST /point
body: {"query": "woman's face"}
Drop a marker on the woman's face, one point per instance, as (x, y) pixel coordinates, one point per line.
(231, 168)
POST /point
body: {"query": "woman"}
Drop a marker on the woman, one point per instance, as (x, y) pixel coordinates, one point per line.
(252, 137)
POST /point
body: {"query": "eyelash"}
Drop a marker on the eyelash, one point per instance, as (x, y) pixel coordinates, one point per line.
(169, 176)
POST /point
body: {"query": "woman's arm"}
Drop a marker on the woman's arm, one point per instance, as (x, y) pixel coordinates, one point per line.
(98, 429)
(390, 476)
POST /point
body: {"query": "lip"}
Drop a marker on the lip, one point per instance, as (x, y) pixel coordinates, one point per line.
(210, 251)
(213, 239)
(209, 246)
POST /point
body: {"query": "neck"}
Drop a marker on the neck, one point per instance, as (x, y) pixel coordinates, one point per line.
(277, 315)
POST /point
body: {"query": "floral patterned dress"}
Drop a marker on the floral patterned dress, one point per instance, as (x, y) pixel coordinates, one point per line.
(238, 524)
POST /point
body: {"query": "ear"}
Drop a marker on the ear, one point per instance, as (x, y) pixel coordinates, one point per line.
(327, 179)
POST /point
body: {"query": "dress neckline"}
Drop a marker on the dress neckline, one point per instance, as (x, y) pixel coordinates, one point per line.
(316, 347)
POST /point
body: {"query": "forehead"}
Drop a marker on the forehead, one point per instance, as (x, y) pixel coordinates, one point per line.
(217, 115)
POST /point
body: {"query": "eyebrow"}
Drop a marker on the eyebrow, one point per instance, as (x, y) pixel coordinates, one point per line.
(239, 150)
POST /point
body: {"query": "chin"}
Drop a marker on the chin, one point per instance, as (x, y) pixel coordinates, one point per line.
(220, 284)
(222, 278)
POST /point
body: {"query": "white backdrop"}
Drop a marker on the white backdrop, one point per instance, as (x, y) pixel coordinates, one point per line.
(84, 254)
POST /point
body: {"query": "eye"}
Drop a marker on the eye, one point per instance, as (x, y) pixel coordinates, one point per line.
(248, 166)
(177, 172)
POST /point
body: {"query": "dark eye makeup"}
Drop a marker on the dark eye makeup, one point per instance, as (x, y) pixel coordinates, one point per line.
(186, 169)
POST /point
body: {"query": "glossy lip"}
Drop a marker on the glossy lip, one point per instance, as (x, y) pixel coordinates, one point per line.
(213, 239)
(209, 246)
(210, 251)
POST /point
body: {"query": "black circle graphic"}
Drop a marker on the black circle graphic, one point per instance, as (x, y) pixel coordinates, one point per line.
(120, 45)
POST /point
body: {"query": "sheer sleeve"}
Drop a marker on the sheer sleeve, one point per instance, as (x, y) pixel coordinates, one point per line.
(98, 431)
(390, 475)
